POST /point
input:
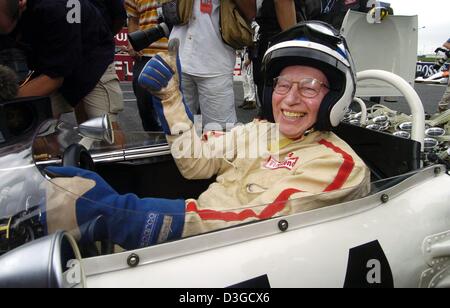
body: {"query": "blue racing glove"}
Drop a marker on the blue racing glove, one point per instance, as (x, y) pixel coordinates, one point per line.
(80, 196)
(162, 77)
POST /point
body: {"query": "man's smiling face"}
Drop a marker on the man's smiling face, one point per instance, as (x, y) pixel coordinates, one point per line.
(296, 99)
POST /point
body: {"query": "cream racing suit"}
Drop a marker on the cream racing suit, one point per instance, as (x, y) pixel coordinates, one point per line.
(262, 175)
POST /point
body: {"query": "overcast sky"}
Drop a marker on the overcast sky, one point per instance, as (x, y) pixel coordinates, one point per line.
(434, 15)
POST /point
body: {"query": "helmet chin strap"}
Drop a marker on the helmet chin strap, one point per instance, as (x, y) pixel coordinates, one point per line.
(309, 131)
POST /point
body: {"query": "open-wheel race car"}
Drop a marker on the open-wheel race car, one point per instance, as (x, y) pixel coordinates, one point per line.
(397, 236)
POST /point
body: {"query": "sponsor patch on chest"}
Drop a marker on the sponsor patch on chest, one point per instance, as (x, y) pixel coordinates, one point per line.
(288, 163)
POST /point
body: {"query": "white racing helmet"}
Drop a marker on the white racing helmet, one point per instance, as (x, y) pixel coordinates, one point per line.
(319, 45)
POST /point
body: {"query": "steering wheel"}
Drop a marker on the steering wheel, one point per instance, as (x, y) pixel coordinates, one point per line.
(76, 155)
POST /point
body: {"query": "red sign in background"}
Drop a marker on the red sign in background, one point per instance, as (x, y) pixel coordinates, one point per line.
(123, 61)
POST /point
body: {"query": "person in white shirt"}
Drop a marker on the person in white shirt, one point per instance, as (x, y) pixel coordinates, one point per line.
(208, 63)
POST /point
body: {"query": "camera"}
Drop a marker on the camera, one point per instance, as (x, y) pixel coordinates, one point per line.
(167, 18)
(441, 61)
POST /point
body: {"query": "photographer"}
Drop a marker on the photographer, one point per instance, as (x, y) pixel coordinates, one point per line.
(113, 11)
(443, 104)
(142, 15)
(72, 60)
(210, 31)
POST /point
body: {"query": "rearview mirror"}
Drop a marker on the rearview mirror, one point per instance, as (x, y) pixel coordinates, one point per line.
(97, 129)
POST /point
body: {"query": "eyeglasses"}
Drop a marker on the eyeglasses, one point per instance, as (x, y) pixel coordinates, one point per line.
(307, 87)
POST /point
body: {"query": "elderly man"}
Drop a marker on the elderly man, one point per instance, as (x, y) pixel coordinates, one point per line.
(302, 165)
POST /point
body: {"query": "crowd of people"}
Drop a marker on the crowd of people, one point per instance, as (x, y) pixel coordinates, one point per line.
(74, 65)
(70, 61)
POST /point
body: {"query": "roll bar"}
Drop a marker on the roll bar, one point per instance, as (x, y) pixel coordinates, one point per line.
(363, 107)
(411, 96)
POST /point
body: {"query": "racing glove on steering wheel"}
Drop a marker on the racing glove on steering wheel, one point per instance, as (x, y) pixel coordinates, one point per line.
(79, 197)
(162, 77)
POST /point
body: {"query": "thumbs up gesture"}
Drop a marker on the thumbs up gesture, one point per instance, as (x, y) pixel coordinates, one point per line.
(161, 75)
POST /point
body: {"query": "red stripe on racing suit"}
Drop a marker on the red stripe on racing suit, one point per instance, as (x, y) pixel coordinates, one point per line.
(268, 212)
(280, 202)
(345, 170)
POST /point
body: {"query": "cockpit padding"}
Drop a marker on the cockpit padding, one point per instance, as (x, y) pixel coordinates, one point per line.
(386, 155)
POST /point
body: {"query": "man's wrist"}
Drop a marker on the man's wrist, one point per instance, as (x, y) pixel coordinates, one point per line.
(171, 94)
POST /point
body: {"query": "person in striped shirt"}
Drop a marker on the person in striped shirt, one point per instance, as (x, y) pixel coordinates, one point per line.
(142, 15)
